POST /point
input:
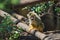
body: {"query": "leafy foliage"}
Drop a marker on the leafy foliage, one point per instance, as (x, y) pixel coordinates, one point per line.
(7, 4)
(8, 27)
(57, 9)
(41, 7)
(2, 5)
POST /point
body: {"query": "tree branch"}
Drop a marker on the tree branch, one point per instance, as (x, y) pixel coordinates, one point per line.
(26, 27)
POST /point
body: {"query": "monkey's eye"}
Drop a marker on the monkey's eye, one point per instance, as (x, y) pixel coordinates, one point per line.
(32, 18)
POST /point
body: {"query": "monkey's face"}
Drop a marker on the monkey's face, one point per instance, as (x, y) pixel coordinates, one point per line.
(36, 23)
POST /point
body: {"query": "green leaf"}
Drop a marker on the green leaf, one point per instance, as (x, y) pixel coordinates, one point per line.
(57, 9)
(2, 6)
(14, 2)
(9, 28)
(16, 35)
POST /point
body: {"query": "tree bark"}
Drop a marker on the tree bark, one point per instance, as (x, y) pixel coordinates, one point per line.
(19, 17)
(27, 1)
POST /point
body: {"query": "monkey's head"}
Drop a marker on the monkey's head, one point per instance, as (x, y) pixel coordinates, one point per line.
(35, 21)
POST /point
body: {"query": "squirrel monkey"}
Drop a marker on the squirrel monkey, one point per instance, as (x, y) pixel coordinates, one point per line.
(35, 21)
